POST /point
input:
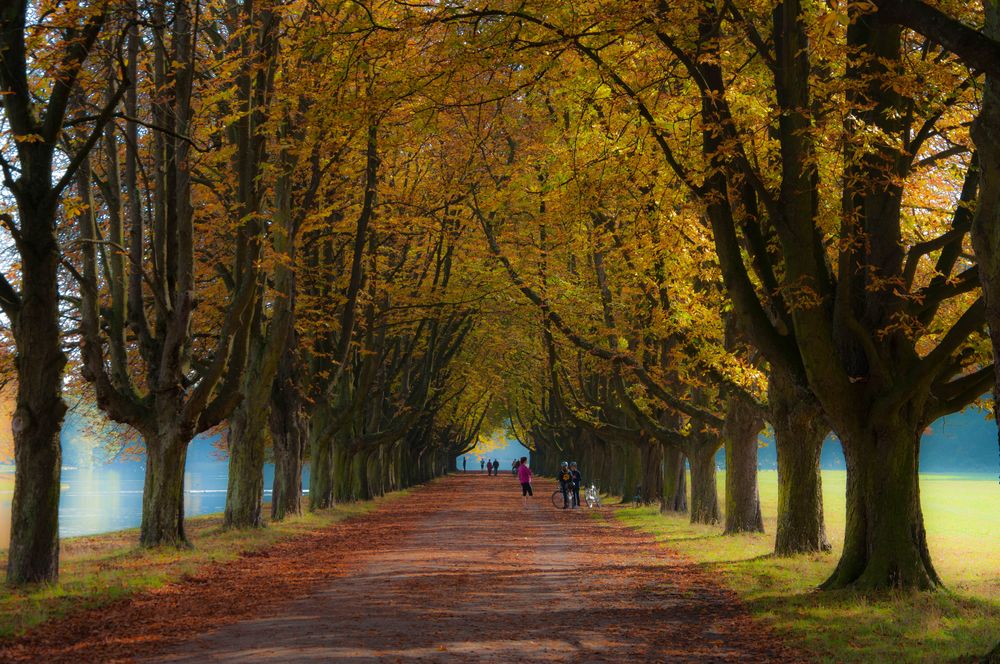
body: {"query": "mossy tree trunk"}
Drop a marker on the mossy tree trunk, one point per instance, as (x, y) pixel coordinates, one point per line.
(289, 436)
(163, 492)
(245, 491)
(885, 544)
(799, 431)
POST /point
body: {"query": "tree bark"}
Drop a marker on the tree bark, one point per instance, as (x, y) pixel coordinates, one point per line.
(344, 483)
(743, 424)
(163, 492)
(631, 470)
(799, 431)
(320, 460)
(986, 221)
(288, 440)
(245, 490)
(674, 481)
(704, 494)
(289, 435)
(885, 545)
(652, 473)
(34, 537)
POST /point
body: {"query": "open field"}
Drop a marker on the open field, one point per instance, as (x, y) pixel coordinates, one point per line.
(98, 569)
(843, 626)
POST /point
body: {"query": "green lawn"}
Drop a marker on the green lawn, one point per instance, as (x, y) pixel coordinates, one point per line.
(843, 626)
(97, 569)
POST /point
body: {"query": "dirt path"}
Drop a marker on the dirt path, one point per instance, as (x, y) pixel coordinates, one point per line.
(457, 572)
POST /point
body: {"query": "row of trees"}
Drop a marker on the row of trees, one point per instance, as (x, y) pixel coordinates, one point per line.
(730, 213)
(223, 218)
(636, 233)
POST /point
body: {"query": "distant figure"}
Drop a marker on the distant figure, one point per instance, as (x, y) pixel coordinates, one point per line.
(513, 467)
(482, 462)
(463, 464)
(496, 467)
(524, 477)
(565, 482)
(577, 478)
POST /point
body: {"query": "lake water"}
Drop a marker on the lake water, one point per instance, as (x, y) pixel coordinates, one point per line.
(106, 497)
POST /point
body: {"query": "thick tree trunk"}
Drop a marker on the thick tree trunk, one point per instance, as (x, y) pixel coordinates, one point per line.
(34, 535)
(288, 440)
(289, 436)
(163, 492)
(245, 492)
(704, 494)
(631, 469)
(320, 460)
(986, 222)
(743, 424)
(674, 481)
(343, 484)
(799, 431)
(885, 545)
(652, 474)
(34, 538)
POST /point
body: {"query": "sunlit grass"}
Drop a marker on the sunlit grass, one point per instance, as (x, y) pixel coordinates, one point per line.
(98, 569)
(844, 626)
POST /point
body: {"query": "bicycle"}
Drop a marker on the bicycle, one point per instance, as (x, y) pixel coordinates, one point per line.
(557, 499)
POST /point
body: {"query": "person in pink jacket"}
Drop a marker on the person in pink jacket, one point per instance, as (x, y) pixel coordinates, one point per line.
(524, 477)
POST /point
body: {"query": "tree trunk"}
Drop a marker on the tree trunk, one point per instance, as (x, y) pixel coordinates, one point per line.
(704, 495)
(652, 474)
(630, 472)
(163, 492)
(885, 545)
(245, 492)
(343, 484)
(986, 222)
(743, 424)
(34, 534)
(320, 460)
(288, 440)
(289, 435)
(799, 431)
(674, 481)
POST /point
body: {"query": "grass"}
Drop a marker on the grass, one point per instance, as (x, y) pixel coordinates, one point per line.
(956, 624)
(98, 569)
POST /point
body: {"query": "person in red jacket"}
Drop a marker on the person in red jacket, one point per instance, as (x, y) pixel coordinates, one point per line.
(524, 477)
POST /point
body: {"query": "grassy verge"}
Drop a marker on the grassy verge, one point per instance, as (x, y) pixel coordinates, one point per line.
(98, 569)
(958, 624)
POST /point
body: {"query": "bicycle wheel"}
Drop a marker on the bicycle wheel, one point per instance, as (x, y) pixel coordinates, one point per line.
(557, 499)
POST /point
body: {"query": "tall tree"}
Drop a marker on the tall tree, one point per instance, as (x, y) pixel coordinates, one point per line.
(43, 48)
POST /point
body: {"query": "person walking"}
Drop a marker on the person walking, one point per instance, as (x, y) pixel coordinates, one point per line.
(524, 477)
(496, 467)
(482, 462)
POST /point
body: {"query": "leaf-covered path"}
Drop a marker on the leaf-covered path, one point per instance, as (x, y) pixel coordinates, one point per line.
(458, 571)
